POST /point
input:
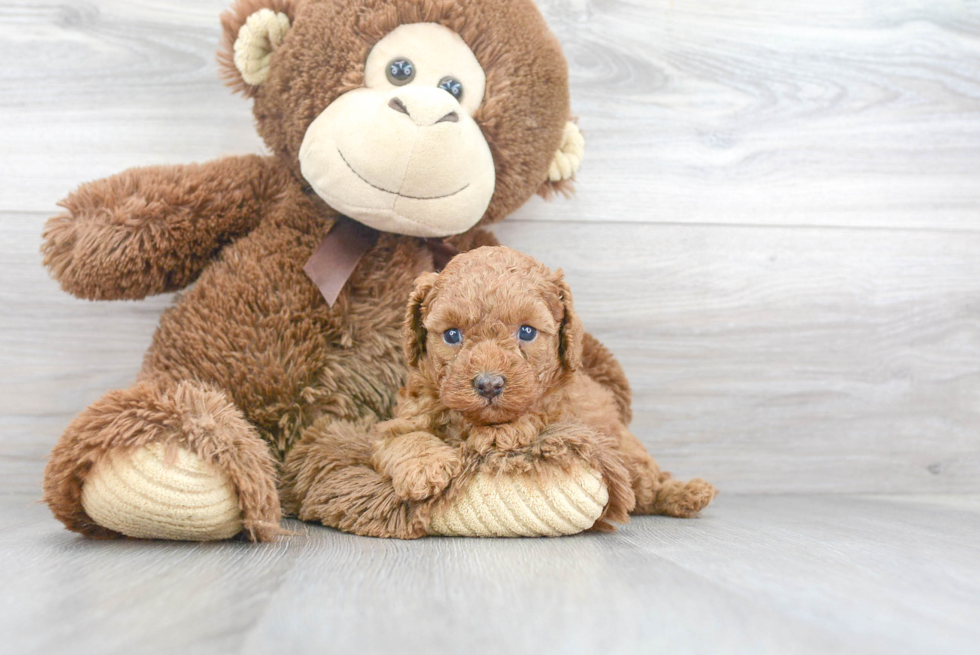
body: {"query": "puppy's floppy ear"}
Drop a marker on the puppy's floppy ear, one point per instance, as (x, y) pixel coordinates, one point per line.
(570, 332)
(414, 331)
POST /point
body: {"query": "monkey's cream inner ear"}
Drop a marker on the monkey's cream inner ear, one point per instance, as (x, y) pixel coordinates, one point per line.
(262, 33)
(568, 157)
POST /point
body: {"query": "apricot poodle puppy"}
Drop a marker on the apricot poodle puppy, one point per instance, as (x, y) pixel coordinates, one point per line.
(495, 351)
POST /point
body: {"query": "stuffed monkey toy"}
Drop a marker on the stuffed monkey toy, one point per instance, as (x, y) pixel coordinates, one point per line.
(398, 131)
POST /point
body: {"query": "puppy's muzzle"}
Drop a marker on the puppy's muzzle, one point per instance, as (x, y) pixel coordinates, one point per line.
(489, 385)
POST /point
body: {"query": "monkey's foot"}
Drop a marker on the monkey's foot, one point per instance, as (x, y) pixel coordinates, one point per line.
(150, 493)
(521, 505)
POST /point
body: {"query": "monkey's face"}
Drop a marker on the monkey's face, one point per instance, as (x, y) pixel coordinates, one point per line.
(421, 117)
(403, 153)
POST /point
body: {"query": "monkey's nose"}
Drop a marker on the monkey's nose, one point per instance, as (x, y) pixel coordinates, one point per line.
(399, 106)
(425, 106)
(489, 385)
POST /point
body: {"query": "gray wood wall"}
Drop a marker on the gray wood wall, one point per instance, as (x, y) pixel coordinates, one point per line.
(777, 225)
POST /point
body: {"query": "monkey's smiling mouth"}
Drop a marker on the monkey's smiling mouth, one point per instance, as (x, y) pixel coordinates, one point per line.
(395, 193)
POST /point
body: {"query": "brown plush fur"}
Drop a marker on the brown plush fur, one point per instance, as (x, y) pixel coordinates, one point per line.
(251, 360)
(231, 22)
(547, 415)
(188, 414)
(522, 116)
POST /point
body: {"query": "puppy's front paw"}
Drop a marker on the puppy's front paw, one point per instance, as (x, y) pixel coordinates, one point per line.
(421, 479)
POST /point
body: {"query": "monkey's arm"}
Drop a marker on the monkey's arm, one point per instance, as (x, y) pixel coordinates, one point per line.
(474, 238)
(152, 230)
(600, 365)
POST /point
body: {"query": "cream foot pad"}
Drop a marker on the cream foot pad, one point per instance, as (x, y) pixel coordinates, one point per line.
(138, 494)
(520, 506)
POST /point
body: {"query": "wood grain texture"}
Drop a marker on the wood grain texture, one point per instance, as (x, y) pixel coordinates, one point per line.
(759, 575)
(760, 112)
(787, 359)
(772, 112)
(764, 359)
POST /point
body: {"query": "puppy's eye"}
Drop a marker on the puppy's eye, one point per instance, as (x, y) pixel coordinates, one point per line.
(452, 336)
(527, 333)
(400, 71)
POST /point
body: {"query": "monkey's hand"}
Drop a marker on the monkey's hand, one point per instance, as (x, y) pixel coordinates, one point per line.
(153, 230)
(419, 464)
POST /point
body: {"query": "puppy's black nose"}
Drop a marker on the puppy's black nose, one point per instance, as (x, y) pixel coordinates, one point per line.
(489, 385)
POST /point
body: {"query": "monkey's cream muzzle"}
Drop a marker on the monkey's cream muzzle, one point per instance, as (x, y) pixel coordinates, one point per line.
(408, 160)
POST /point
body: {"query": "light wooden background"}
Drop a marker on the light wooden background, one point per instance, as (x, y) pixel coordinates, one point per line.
(777, 225)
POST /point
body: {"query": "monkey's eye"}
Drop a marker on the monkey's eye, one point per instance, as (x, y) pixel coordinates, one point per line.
(454, 86)
(452, 336)
(400, 71)
(527, 333)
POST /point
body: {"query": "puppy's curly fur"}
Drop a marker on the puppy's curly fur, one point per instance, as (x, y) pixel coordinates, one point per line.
(496, 385)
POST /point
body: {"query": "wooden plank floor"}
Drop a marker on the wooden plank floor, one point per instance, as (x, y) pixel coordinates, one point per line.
(756, 574)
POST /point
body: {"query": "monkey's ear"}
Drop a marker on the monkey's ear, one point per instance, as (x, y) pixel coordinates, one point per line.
(565, 162)
(253, 30)
(570, 332)
(414, 331)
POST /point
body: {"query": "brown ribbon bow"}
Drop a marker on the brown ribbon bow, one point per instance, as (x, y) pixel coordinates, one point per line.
(333, 262)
